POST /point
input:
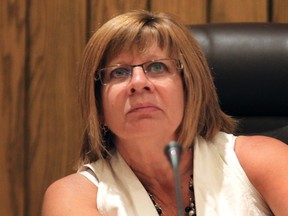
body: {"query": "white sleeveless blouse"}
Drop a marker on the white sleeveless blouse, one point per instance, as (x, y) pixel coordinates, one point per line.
(220, 184)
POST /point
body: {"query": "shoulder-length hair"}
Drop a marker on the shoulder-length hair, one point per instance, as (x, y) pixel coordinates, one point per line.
(202, 113)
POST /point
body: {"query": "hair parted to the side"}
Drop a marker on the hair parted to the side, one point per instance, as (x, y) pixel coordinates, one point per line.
(138, 29)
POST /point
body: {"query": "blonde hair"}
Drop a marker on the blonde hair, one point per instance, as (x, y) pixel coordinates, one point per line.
(202, 113)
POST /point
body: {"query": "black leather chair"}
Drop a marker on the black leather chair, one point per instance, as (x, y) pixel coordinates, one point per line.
(249, 63)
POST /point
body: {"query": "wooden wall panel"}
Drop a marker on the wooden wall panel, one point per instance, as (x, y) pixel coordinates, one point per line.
(56, 38)
(103, 10)
(12, 97)
(190, 11)
(280, 11)
(40, 45)
(238, 11)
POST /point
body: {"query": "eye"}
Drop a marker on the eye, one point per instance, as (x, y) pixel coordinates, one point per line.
(120, 72)
(157, 67)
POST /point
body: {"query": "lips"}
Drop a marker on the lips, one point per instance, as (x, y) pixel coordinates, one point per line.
(143, 107)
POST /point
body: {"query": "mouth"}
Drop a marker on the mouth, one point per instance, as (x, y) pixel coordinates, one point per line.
(143, 108)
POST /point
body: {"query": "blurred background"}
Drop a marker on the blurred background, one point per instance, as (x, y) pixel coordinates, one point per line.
(40, 46)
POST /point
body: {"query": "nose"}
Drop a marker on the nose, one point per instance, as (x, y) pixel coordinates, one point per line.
(139, 82)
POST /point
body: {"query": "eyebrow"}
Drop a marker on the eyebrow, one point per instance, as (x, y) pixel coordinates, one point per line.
(146, 59)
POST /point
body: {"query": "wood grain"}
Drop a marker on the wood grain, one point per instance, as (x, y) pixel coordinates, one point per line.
(238, 11)
(56, 38)
(103, 10)
(40, 45)
(189, 11)
(280, 11)
(12, 106)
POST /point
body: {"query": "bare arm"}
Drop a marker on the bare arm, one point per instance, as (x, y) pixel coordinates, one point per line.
(265, 161)
(72, 195)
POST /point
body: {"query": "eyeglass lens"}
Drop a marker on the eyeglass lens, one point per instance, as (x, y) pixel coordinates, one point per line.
(154, 70)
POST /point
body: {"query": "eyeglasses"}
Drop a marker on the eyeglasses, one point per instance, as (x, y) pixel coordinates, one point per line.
(154, 70)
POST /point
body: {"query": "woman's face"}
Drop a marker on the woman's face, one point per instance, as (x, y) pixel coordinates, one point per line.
(142, 107)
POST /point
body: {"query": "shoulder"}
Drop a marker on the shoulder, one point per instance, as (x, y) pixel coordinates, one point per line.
(260, 144)
(265, 161)
(71, 195)
(257, 150)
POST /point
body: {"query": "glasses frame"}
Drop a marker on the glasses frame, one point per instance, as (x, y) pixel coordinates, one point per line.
(178, 64)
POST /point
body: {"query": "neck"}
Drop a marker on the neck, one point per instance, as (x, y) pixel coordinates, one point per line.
(149, 163)
(151, 166)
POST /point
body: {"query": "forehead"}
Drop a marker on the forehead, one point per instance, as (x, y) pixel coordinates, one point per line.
(138, 55)
(141, 45)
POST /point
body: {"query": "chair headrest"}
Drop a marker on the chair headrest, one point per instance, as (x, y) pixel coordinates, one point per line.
(249, 62)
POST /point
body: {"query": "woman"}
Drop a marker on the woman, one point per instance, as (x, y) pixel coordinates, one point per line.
(145, 82)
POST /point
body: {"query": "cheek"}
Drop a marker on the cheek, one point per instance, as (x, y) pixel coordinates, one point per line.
(179, 103)
(175, 100)
(107, 106)
(112, 105)
(178, 91)
(179, 94)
